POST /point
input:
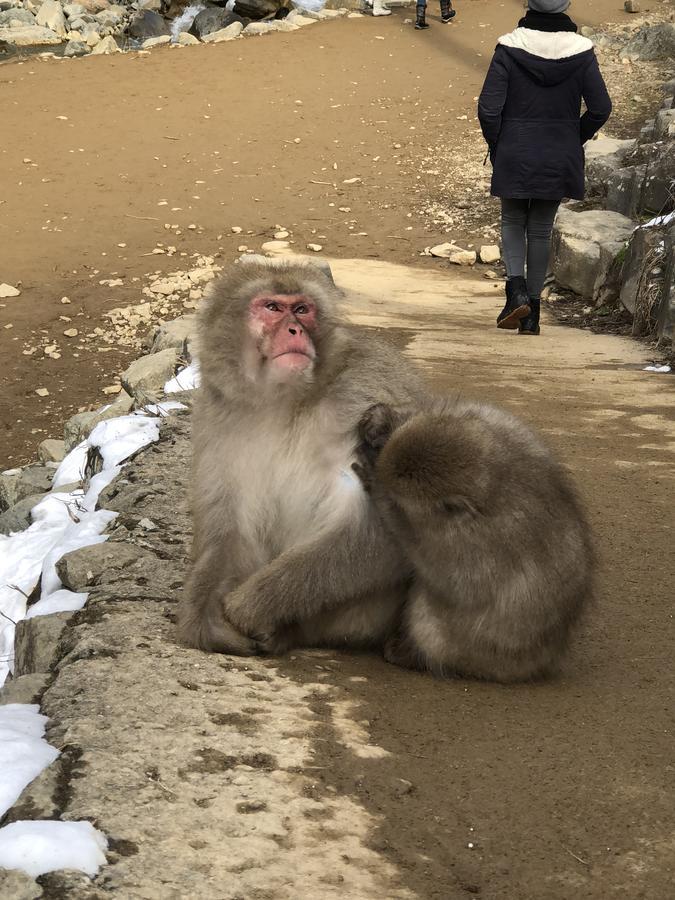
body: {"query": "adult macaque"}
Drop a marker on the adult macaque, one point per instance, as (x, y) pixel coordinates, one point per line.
(498, 541)
(287, 548)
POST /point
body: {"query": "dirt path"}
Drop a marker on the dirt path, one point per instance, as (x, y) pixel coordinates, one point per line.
(99, 155)
(327, 774)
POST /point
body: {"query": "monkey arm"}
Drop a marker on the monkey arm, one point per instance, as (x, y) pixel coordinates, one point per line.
(324, 573)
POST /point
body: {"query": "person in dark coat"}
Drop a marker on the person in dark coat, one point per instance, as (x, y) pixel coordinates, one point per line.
(530, 115)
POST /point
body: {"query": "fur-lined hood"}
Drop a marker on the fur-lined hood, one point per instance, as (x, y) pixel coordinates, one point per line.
(549, 57)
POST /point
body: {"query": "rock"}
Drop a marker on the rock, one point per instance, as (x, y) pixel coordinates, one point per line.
(18, 885)
(36, 641)
(642, 243)
(665, 321)
(255, 9)
(442, 250)
(80, 426)
(111, 15)
(8, 290)
(104, 46)
(631, 6)
(18, 516)
(51, 16)
(460, 257)
(664, 126)
(148, 375)
(81, 569)
(149, 43)
(51, 450)
(315, 248)
(652, 42)
(25, 689)
(74, 10)
(300, 19)
(185, 39)
(603, 157)
(76, 48)
(276, 248)
(154, 5)
(95, 6)
(148, 24)
(210, 20)
(175, 334)
(259, 28)
(624, 188)
(489, 254)
(230, 33)
(29, 36)
(10, 18)
(24, 483)
(584, 246)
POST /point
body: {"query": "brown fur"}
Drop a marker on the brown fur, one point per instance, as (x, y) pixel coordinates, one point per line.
(287, 550)
(501, 550)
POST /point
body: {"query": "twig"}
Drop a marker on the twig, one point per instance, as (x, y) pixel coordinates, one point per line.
(7, 617)
(170, 137)
(582, 861)
(15, 587)
(148, 218)
(313, 181)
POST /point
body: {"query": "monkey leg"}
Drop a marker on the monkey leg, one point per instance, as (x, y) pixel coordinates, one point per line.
(201, 622)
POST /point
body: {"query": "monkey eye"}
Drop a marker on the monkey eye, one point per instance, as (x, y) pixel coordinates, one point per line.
(272, 306)
(301, 310)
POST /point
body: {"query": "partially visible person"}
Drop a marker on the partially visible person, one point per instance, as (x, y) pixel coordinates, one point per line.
(447, 13)
(530, 115)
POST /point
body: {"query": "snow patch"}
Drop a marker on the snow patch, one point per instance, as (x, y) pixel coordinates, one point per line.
(40, 847)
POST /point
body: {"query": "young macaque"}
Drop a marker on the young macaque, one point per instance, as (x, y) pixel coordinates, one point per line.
(497, 538)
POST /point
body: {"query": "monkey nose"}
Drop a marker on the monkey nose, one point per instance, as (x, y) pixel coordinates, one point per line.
(295, 331)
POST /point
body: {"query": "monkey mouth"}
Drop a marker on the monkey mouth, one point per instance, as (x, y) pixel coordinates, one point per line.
(292, 359)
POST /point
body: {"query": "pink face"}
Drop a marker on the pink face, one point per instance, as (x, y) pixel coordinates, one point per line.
(282, 326)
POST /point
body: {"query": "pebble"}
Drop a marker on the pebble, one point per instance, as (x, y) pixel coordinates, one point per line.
(42, 392)
(8, 290)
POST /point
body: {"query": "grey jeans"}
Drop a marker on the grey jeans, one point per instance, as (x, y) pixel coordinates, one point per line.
(526, 236)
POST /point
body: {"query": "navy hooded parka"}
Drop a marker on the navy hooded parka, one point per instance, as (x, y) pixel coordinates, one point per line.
(530, 111)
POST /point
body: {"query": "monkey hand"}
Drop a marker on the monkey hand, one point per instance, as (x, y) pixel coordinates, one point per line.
(376, 426)
(280, 641)
(247, 606)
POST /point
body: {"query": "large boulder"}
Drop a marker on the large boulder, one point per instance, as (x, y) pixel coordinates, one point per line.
(211, 20)
(29, 36)
(665, 320)
(17, 484)
(145, 378)
(178, 333)
(17, 517)
(148, 24)
(603, 157)
(652, 42)
(584, 246)
(643, 254)
(11, 18)
(50, 15)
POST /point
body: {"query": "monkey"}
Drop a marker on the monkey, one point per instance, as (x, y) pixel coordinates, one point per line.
(499, 543)
(287, 549)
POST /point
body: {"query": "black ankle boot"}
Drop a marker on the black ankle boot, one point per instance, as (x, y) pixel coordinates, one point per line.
(530, 324)
(517, 303)
(447, 12)
(420, 21)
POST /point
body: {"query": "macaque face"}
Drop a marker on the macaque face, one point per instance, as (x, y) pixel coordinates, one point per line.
(282, 327)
